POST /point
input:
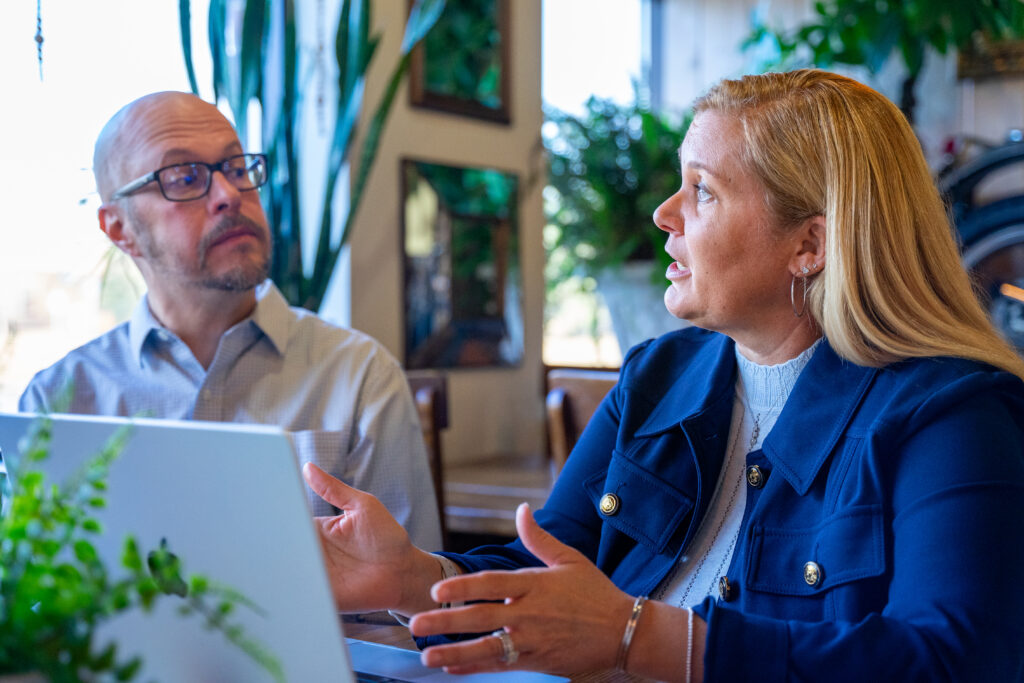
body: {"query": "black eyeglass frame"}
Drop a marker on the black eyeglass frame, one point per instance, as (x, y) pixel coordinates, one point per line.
(154, 176)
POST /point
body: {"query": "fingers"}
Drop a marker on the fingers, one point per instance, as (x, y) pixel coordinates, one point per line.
(543, 545)
(475, 618)
(488, 585)
(481, 654)
(334, 491)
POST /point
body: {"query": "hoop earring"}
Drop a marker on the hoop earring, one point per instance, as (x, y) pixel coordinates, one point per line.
(792, 297)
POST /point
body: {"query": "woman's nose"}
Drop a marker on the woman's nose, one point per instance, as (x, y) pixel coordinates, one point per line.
(668, 217)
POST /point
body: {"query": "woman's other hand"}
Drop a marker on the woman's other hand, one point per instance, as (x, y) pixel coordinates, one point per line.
(563, 618)
(371, 563)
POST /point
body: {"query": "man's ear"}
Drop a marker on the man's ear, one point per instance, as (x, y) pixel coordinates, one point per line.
(113, 225)
(809, 258)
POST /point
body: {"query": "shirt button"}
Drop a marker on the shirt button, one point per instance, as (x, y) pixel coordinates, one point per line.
(725, 589)
(812, 573)
(755, 477)
(610, 504)
(207, 394)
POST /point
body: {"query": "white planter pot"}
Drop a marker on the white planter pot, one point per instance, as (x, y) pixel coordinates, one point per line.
(636, 305)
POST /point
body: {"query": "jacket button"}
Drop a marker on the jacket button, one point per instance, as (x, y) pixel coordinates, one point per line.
(610, 504)
(812, 573)
(725, 589)
(755, 477)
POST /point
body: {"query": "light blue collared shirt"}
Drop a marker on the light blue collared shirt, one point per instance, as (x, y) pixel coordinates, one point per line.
(340, 393)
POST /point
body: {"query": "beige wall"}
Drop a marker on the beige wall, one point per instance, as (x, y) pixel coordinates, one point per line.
(491, 410)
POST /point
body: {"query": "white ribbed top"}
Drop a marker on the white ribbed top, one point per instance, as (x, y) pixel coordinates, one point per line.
(761, 393)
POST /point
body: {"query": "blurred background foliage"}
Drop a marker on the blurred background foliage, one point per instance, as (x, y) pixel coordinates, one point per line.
(869, 32)
(609, 170)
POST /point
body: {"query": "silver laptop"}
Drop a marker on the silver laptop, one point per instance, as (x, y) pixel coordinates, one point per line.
(231, 503)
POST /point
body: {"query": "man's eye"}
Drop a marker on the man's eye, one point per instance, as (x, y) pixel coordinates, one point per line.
(702, 193)
(181, 177)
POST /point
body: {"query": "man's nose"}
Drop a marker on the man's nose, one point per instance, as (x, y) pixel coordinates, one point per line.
(223, 195)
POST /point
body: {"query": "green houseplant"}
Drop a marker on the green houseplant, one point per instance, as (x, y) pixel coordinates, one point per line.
(55, 590)
(609, 169)
(868, 32)
(260, 63)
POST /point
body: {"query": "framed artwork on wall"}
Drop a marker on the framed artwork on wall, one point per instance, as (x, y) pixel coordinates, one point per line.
(462, 65)
(462, 280)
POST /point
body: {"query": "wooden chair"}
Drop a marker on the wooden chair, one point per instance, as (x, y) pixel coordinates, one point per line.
(573, 396)
(430, 393)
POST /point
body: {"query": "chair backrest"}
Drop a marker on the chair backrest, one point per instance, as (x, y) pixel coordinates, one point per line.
(430, 393)
(573, 396)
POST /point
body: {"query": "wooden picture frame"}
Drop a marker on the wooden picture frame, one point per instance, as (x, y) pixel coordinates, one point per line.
(462, 283)
(462, 65)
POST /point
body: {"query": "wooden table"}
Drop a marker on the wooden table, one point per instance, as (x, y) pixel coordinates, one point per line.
(381, 628)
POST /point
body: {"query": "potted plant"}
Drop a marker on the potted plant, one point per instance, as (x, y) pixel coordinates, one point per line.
(609, 169)
(56, 591)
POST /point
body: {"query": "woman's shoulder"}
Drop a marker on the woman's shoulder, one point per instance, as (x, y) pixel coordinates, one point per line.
(674, 351)
(923, 387)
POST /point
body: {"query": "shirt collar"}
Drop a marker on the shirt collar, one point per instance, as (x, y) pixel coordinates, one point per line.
(271, 316)
(140, 326)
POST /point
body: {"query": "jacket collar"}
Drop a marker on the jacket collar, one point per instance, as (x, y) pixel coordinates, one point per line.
(823, 402)
(708, 376)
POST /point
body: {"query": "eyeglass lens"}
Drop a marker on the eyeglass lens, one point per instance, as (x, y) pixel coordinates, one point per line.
(191, 181)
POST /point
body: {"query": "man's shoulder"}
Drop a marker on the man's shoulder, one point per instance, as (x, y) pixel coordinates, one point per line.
(321, 341)
(100, 359)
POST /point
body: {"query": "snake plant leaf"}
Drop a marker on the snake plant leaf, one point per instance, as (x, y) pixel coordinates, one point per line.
(218, 56)
(185, 21)
(250, 61)
(266, 69)
(422, 18)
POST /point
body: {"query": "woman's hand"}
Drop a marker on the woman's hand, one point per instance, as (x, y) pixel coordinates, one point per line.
(566, 617)
(371, 563)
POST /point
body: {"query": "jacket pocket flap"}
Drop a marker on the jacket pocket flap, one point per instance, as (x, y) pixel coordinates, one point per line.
(648, 509)
(847, 546)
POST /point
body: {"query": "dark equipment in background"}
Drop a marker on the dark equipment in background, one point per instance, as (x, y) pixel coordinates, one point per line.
(985, 192)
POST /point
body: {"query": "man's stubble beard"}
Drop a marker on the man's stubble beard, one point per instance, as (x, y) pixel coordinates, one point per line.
(238, 279)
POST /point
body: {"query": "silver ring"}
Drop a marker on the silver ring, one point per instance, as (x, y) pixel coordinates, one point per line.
(509, 653)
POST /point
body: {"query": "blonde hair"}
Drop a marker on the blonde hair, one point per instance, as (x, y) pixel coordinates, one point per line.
(893, 286)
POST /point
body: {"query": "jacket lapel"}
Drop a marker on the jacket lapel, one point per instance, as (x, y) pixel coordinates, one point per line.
(825, 397)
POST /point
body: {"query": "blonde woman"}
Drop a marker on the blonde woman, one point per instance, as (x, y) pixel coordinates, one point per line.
(817, 482)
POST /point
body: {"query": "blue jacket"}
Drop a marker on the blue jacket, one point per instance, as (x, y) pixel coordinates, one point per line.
(902, 484)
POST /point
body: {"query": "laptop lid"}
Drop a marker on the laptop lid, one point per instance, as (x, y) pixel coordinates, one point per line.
(231, 503)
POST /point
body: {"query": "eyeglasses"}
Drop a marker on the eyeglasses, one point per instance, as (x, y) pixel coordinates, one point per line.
(185, 182)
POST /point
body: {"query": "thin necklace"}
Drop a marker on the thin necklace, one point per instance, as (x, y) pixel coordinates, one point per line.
(722, 518)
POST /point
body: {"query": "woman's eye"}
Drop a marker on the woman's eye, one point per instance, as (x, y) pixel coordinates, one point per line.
(702, 193)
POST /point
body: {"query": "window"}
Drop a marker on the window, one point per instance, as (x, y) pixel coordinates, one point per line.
(62, 283)
(590, 47)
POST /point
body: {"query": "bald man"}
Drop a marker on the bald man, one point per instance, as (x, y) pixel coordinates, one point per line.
(213, 338)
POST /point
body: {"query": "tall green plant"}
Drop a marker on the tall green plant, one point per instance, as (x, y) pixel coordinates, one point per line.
(265, 70)
(868, 32)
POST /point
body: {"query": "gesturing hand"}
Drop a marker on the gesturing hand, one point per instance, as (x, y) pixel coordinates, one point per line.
(563, 618)
(371, 563)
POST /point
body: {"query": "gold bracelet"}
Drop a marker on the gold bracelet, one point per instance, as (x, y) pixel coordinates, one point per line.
(627, 636)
